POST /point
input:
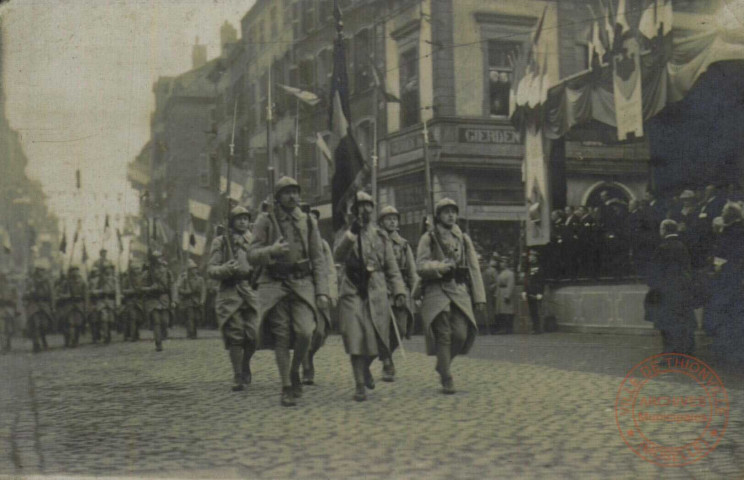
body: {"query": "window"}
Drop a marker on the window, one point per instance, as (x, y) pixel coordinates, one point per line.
(308, 22)
(500, 73)
(307, 71)
(409, 88)
(272, 21)
(261, 37)
(325, 11)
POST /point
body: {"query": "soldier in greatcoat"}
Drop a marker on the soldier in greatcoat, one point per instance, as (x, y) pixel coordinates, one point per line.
(236, 303)
(191, 293)
(158, 294)
(73, 304)
(389, 219)
(371, 277)
(450, 274)
(132, 305)
(8, 312)
(40, 304)
(293, 285)
(322, 328)
(104, 293)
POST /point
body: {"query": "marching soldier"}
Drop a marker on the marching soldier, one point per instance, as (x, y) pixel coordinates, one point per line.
(133, 310)
(236, 303)
(191, 293)
(324, 327)
(158, 297)
(448, 265)
(101, 263)
(365, 316)
(389, 218)
(105, 295)
(293, 285)
(73, 305)
(8, 312)
(41, 304)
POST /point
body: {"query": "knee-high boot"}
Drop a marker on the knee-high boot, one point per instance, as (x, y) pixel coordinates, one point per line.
(444, 358)
(248, 350)
(358, 366)
(236, 359)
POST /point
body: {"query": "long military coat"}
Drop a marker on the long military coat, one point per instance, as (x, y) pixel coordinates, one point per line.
(439, 295)
(190, 291)
(669, 301)
(407, 265)
(359, 317)
(73, 299)
(505, 300)
(158, 298)
(235, 291)
(41, 298)
(271, 291)
(107, 291)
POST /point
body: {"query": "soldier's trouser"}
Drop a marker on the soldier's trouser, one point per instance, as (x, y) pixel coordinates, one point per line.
(450, 334)
(37, 331)
(159, 323)
(679, 340)
(133, 320)
(105, 321)
(74, 324)
(291, 314)
(192, 315)
(533, 305)
(6, 333)
(240, 344)
(319, 337)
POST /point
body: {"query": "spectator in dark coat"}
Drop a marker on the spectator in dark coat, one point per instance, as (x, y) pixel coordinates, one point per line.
(668, 303)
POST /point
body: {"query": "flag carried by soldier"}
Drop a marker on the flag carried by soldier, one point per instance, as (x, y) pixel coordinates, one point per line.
(63, 242)
(350, 169)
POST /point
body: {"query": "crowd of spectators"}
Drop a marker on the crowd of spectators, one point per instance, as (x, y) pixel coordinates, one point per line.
(616, 239)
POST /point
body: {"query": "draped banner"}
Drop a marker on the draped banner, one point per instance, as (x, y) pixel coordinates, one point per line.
(536, 185)
(626, 80)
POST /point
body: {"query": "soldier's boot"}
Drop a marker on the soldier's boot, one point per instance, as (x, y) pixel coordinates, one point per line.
(158, 334)
(288, 398)
(236, 359)
(75, 337)
(294, 377)
(369, 380)
(358, 367)
(388, 370)
(308, 369)
(444, 358)
(107, 333)
(248, 350)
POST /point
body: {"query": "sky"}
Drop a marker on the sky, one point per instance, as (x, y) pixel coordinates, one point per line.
(78, 80)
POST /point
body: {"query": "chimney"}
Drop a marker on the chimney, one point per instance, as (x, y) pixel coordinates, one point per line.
(199, 55)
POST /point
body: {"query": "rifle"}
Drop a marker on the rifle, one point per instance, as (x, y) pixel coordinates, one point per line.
(228, 234)
(272, 202)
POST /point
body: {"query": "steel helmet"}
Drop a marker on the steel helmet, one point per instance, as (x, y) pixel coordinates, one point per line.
(285, 182)
(388, 210)
(238, 211)
(445, 202)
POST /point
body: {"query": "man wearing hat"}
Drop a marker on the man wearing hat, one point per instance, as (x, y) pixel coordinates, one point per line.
(73, 302)
(8, 312)
(389, 219)
(41, 303)
(104, 292)
(191, 293)
(236, 303)
(534, 289)
(323, 328)
(293, 285)
(450, 274)
(372, 277)
(505, 302)
(158, 294)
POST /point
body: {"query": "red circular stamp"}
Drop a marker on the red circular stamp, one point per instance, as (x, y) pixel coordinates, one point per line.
(672, 409)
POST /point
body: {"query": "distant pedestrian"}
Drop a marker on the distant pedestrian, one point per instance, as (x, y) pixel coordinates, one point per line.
(191, 293)
(505, 301)
(40, 304)
(158, 292)
(490, 274)
(73, 305)
(534, 289)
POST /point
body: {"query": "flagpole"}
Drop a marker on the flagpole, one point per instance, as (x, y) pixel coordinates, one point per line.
(269, 121)
(427, 175)
(297, 140)
(374, 148)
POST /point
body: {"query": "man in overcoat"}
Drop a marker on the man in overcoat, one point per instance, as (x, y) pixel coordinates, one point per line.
(73, 305)
(366, 253)
(41, 301)
(236, 304)
(450, 274)
(669, 300)
(389, 219)
(505, 299)
(322, 328)
(133, 309)
(105, 296)
(293, 285)
(158, 293)
(191, 294)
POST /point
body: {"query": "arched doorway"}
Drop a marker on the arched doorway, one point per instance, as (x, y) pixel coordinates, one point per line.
(613, 189)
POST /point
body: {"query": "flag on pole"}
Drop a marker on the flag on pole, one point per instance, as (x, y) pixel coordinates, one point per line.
(323, 147)
(626, 79)
(106, 229)
(657, 14)
(85, 254)
(621, 19)
(63, 242)
(308, 97)
(380, 85)
(350, 169)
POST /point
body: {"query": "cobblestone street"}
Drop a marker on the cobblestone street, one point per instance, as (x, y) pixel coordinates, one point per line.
(125, 410)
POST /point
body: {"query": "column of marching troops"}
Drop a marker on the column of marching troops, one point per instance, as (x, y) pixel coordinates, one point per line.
(277, 283)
